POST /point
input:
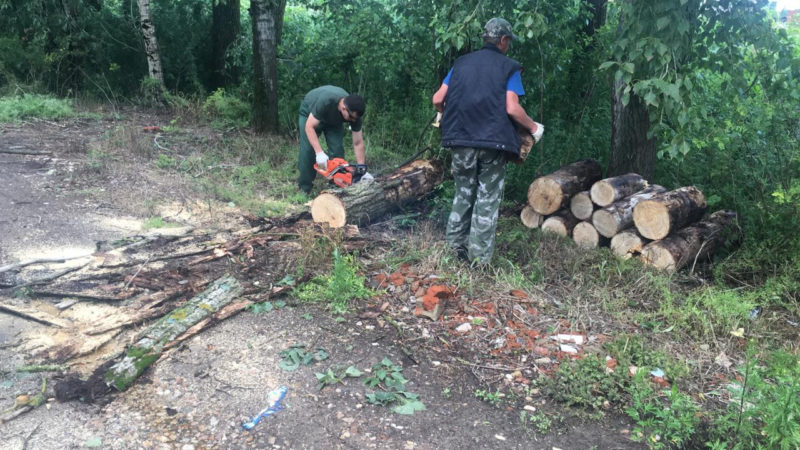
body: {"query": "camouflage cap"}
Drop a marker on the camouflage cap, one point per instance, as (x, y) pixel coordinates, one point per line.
(498, 27)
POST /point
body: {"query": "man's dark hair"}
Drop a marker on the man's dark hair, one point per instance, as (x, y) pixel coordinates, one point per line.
(355, 104)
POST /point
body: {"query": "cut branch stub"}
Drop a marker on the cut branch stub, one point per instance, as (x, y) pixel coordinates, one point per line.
(550, 193)
(692, 243)
(560, 223)
(530, 218)
(610, 190)
(656, 218)
(366, 201)
(618, 216)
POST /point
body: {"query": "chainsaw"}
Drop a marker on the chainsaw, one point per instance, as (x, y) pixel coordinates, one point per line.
(340, 173)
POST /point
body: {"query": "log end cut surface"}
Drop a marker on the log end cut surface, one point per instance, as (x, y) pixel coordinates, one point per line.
(605, 223)
(585, 235)
(659, 257)
(545, 196)
(581, 206)
(555, 225)
(530, 218)
(652, 219)
(603, 193)
(327, 208)
(627, 244)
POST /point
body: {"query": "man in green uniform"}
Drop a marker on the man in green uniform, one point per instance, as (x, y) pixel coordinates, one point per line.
(325, 110)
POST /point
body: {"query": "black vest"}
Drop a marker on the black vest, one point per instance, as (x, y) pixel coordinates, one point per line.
(475, 105)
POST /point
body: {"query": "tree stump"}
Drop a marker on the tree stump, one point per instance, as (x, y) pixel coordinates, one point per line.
(628, 243)
(615, 218)
(586, 236)
(550, 193)
(581, 205)
(560, 223)
(610, 190)
(366, 201)
(148, 348)
(656, 218)
(530, 218)
(692, 243)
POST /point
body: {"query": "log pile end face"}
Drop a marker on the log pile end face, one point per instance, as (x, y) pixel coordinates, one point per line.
(652, 219)
(585, 235)
(548, 197)
(602, 193)
(327, 208)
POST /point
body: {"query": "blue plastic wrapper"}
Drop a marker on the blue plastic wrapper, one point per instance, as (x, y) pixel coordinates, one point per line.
(274, 399)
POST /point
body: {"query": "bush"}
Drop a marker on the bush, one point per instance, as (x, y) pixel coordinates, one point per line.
(14, 109)
(226, 111)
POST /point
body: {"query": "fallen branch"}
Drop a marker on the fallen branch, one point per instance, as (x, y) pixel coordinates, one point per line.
(34, 315)
(14, 266)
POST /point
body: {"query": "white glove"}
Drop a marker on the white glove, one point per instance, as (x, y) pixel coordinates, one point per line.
(322, 160)
(537, 135)
(367, 176)
(437, 120)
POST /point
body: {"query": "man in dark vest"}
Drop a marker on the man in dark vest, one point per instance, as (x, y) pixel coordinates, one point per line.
(479, 102)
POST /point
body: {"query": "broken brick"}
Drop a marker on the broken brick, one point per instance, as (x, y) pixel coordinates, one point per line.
(381, 279)
(429, 302)
(518, 293)
(544, 351)
(397, 279)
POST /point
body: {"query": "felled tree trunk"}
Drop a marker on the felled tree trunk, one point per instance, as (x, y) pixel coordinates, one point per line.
(656, 218)
(610, 190)
(531, 218)
(586, 236)
(560, 223)
(615, 218)
(581, 205)
(628, 243)
(550, 193)
(366, 201)
(148, 349)
(692, 243)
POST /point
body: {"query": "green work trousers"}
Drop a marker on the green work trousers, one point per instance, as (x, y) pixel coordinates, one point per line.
(479, 176)
(334, 137)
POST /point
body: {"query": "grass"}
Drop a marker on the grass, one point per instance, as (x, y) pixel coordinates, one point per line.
(32, 106)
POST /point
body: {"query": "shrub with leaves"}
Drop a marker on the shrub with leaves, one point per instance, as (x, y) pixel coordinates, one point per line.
(389, 377)
(337, 288)
(14, 109)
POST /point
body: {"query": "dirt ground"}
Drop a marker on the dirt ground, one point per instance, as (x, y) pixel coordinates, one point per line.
(56, 204)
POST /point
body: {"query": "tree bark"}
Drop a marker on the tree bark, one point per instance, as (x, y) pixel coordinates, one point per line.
(690, 244)
(150, 41)
(366, 201)
(267, 19)
(225, 28)
(628, 243)
(530, 218)
(631, 149)
(561, 223)
(550, 193)
(656, 218)
(586, 236)
(615, 218)
(610, 190)
(581, 205)
(148, 349)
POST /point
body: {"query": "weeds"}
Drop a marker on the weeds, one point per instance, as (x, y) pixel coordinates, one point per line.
(666, 421)
(339, 287)
(294, 356)
(31, 106)
(157, 222)
(389, 377)
(493, 398)
(538, 420)
(586, 383)
(336, 376)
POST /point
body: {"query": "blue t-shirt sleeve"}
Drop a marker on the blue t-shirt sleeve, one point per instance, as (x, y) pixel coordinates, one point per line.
(514, 83)
(447, 78)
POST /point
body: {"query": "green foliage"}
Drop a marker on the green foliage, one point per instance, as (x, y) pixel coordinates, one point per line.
(336, 376)
(265, 307)
(31, 106)
(538, 420)
(297, 354)
(165, 161)
(493, 398)
(663, 420)
(389, 377)
(585, 383)
(157, 222)
(226, 111)
(339, 287)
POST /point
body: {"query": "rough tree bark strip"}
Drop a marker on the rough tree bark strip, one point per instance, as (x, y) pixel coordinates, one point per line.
(148, 348)
(628, 243)
(610, 190)
(581, 205)
(551, 192)
(615, 218)
(560, 223)
(656, 218)
(366, 201)
(531, 218)
(691, 243)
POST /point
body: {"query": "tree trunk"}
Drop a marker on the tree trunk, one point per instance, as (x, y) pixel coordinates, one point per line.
(531, 218)
(225, 28)
(560, 223)
(691, 243)
(367, 201)
(150, 42)
(148, 349)
(581, 205)
(550, 193)
(586, 236)
(628, 243)
(608, 191)
(663, 214)
(631, 149)
(615, 218)
(267, 18)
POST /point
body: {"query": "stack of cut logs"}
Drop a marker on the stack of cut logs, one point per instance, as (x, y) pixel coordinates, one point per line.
(636, 219)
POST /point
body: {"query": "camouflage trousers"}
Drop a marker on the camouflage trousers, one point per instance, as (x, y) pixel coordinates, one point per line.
(479, 176)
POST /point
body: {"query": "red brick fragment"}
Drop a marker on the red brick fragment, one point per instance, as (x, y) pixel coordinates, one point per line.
(543, 351)
(381, 279)
(518, 293)
(397, 279)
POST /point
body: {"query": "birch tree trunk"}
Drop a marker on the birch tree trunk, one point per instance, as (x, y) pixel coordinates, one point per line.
(150, 42)
(267, 18)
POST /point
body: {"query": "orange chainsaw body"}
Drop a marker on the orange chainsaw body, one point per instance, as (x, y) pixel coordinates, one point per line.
(339, 172)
